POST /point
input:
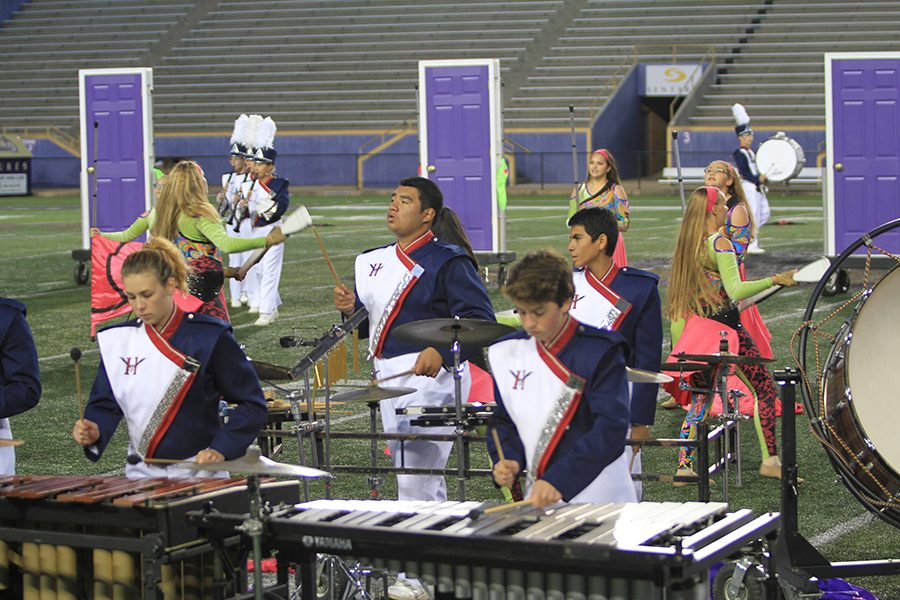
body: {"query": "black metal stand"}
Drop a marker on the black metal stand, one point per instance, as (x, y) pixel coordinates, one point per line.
(796, 560)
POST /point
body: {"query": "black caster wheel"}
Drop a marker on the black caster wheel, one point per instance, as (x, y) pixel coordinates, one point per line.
(838, 283)
(81, 273)
(751, 588)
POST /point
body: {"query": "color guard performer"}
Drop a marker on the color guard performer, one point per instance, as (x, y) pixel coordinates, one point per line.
(752, 180)
(603, 189)
(268, 198)
(418, 277)
(20, 379)
(703, 290)
(165, 372)
(562, 395)
(623, 299)
(184, 215)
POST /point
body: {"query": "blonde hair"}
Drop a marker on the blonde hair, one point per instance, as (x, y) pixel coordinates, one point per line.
(184, 192)
(736, 190)
(161, 258)
(690, 291)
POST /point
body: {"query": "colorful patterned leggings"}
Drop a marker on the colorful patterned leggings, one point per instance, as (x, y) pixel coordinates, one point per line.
(761, 383)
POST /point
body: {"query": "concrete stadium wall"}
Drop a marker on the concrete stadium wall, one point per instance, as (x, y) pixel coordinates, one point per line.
(698, 147)
(330, 159)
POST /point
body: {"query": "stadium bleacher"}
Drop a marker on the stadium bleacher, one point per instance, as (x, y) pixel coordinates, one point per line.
(352, 65)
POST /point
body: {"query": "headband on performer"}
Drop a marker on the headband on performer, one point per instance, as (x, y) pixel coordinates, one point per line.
(603, 152)
(712, 196)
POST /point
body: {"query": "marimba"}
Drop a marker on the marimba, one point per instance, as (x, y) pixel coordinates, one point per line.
(82, 537)
(577, 551)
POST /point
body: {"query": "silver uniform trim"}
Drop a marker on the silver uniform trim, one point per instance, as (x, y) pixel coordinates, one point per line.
(407, 279)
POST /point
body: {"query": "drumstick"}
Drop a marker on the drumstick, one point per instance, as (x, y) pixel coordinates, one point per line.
(377, 382)
(477, 512)
(334, 275)
(75, 355)
(497, 443)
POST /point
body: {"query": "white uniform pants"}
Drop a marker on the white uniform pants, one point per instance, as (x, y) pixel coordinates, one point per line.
(265, 277)
(236, 259)
(759, 204)
(438, 391)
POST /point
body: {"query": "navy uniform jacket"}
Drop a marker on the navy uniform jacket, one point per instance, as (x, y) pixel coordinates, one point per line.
(20, 380)
(449, 287)
(745, 161)
(279, 187)
(224, 372)
(642, 329)
(595, 436)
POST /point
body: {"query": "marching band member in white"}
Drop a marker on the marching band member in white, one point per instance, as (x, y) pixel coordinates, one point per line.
(562, 394)
(417, 277)
(623, 299)
(165, 372)
(752, 180)
(229, 199)
(269, 200)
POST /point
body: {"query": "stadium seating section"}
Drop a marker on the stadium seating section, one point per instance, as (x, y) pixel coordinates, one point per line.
(352, 64)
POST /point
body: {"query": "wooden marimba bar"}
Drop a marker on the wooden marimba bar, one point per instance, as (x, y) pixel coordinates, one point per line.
(112, 537)
(579, 551)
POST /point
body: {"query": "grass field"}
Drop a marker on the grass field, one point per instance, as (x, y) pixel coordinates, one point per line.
(38, 233)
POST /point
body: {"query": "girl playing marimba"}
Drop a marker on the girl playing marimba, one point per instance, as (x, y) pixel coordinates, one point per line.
(165, 372)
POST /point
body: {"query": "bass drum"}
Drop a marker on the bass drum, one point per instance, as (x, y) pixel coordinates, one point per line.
(860, 394)
(780, 158)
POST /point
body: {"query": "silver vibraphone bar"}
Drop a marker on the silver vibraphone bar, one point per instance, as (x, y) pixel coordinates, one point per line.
(578, 551)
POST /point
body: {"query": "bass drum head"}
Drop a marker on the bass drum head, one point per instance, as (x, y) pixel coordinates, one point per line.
(874, 376)
(780, 159)
(861, 394)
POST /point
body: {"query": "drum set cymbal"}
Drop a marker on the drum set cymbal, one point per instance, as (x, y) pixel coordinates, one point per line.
(255, 463)
(443, 332)
(722, 358)
(642, 376)
(684, 367)
(372, 393)
(270, 372)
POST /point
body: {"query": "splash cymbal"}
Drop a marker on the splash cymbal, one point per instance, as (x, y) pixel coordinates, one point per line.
(642, 376)
(372, 394)
(443, 332)
(724, 358)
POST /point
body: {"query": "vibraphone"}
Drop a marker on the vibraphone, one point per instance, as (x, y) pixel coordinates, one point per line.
(81, 537)
(575, 552)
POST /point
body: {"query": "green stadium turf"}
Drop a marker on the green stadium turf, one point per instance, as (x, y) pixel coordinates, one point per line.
(38, 233)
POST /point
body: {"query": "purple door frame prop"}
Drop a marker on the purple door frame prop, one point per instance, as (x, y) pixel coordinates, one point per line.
(862, 107)
(115, 106)
(460, 141)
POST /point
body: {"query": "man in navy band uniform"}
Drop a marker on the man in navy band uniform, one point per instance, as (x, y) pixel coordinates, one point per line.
(562, 394)
(753, 182)
(20, 380)
(416, 278)
(625, 300)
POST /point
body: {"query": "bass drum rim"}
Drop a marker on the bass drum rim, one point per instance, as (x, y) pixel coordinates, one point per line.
(798, 153)
(811, 403)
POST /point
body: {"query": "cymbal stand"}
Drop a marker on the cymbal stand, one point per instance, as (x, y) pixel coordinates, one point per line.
(459, 427)
(252, 527)
(374, 480)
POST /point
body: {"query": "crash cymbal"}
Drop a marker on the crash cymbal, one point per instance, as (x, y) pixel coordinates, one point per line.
(254, 462)
(372, 394)
(442, 332)
(684, 367)
(270, 372)
(725, 358)
(642, 376)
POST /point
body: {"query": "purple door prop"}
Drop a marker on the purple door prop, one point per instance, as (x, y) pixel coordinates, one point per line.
(864, 128)
(116, 139)
(458, 145)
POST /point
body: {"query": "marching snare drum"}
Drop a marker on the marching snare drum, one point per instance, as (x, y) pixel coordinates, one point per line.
(860, 383)
(780, 158)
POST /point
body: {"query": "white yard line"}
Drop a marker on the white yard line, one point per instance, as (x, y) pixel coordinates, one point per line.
(842, 529)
